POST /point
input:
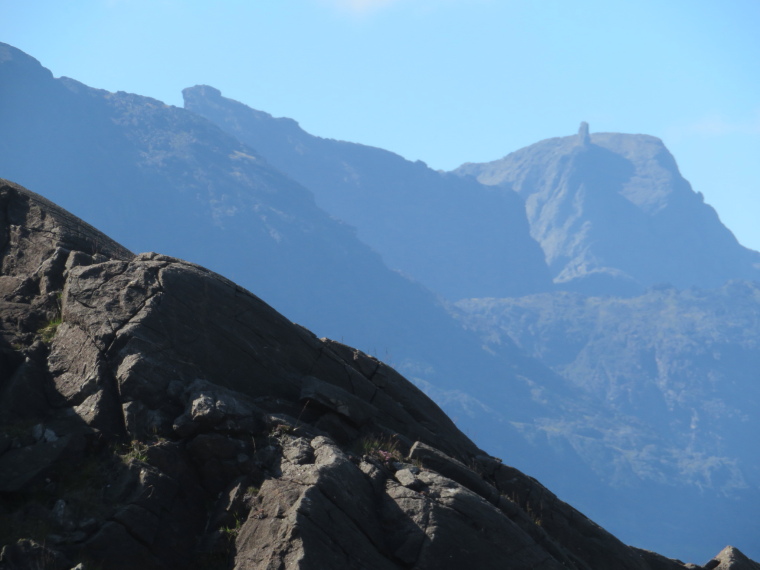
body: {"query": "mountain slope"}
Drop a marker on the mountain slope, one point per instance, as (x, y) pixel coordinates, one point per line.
(164, 417)
(159, 177)
(682, 363)
(452, 235)
(164, 178)
(671, 378)
(614, 216)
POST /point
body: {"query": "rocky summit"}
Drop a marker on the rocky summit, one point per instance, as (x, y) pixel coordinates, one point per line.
(156, 415)
(613, 215)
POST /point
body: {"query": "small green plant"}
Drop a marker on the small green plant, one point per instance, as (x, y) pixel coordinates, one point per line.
(286, 428)
(48, 331)
(231, 532)
(417, 462)
(384, 448)
(134, 451)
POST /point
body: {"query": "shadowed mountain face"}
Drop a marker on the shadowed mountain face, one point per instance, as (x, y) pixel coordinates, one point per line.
(673, 380)
(614, 216)
(159, 177)
(667, 418)
(156, 415)
(455, 236)
(164, 178)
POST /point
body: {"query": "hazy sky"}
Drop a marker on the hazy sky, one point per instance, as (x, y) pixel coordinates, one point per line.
(444, 81)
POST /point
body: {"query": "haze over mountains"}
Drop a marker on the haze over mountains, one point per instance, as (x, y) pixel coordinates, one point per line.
(395, 203)
(163, 178)
(166, 179)
(628, 406)
(614, 216)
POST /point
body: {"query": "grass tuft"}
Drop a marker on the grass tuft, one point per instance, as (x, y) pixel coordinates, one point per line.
(48, 331)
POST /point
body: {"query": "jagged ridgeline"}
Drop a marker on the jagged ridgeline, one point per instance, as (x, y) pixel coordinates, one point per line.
(638, 310)
(638, 409)
(455, 236)
(156, 415)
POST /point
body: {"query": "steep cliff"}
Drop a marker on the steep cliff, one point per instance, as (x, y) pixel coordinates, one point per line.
(457, 237)
(156, 415)
(614, 216)
(163, 178)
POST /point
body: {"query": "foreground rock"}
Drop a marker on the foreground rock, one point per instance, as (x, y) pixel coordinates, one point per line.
(156, 415)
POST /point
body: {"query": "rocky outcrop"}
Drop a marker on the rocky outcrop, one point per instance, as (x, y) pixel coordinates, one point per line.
(157, 415)
(731, 557)
(583, 134)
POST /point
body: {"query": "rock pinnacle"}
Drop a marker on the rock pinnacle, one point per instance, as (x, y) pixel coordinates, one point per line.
(583, 135)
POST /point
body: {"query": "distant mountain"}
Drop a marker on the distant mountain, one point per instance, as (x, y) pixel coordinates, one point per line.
(684, 363)
(671, 394)
(661, 335)
(457, 237)
(160, 177)
(614, 216)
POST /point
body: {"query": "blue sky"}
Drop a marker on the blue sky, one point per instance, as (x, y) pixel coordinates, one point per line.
(443, 81)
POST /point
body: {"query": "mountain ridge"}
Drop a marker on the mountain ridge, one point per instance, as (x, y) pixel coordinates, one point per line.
(123, 161)
(171, 180)
(612, 229)
(393, 202)
(617, 210)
